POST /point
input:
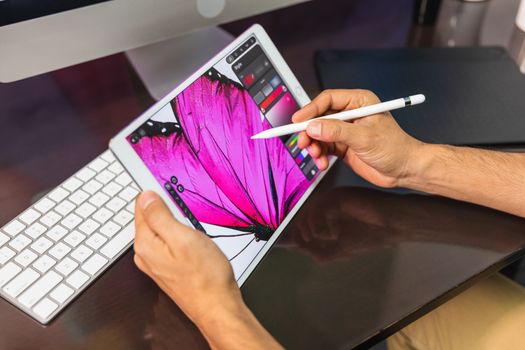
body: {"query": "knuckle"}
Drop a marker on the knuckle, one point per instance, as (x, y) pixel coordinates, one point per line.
(333, 132)
(155, 271)
(139, 248)
(370, 96)
(326, 95)
(184, 245)
(138, 262)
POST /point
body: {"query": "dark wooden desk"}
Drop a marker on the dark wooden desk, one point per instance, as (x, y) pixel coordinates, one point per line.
(355, 265)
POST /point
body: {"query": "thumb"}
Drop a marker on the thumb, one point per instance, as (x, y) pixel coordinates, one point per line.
(154, 212)
(332, 131)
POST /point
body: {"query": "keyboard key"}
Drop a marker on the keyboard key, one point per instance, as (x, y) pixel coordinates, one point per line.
(58, 194)
(110, 229)
(59, 250)
(44, 205)
(40, 289)
(77, 279)
(92, 186)
(45, 308)
(21, 282)
(74, 238)
(94, 264)
(7, 272)
(34, 231)
(19, 242)
(96, 241)
(85, 174)
(3, 239)
(123, 217)
(123, 179)
(89, 226)
(116, 168)
(6, 254)
(121, 240)
(41, 245)
(112, 189)
(72, 184)
(14, 227)
(81, 253)
(61, 293)
(108, 156)
(71, 221)
(29, 216)
(105, 177)
(65, 207)
(56, 233)
(98, 199)
(103, 215)
(50, 219)
(131, 207)
(115, 204)
(66, 266)
(128, 194)
(44, 263)
(85, 210)
(98, 164)
(25, 258)
(78, 197)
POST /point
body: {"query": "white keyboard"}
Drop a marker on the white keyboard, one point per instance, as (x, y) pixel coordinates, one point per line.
(55, 249)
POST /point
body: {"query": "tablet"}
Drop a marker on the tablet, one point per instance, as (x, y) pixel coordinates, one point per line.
(193, 148)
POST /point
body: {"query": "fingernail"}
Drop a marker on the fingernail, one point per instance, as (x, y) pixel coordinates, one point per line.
(314, 129)
(146, 198)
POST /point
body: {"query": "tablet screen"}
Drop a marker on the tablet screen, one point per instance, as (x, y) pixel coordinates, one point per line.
(198, 147)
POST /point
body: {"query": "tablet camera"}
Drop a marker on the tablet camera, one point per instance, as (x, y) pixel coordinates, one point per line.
(134, 139)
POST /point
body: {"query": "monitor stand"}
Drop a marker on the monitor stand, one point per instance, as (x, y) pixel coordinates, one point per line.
(164, 65)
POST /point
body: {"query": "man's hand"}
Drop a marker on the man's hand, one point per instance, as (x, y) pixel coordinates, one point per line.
(185, 263)
(375, 147)
(191, 270)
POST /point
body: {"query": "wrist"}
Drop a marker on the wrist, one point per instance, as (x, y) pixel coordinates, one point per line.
(228, 310)
(220, 305)
(231, 325)
(422, 166)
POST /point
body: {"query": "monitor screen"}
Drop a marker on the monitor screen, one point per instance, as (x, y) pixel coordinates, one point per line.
(14, 11)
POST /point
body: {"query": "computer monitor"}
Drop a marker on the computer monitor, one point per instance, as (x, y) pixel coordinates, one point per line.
(38, 36)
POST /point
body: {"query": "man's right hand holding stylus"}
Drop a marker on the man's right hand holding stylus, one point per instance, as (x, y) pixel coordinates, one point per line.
(375, 147)
(378, 150)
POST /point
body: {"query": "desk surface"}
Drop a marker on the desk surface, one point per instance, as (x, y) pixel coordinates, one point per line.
(366, 264)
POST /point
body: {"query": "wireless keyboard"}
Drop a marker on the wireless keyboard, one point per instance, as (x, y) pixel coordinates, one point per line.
(55, 249)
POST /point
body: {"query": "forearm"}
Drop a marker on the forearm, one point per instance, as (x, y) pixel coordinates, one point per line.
(489, 178)
(235, 327)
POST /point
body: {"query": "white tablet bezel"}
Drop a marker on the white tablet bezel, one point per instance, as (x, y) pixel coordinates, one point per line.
(146, 181)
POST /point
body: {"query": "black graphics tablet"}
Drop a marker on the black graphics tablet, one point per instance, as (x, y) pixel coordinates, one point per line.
(475, 96)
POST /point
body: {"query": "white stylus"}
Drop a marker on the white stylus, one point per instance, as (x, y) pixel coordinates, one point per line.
(345, 116)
